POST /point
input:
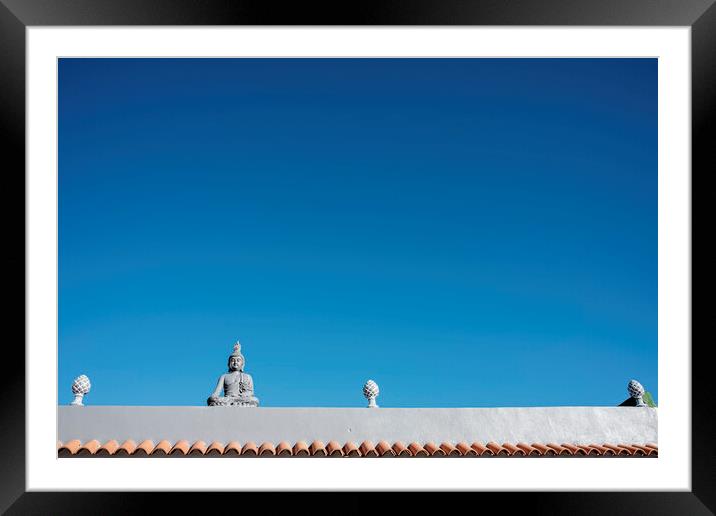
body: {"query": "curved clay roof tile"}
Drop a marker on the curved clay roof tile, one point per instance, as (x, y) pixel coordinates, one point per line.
(318, 449)
(433, 450)
(543, 450)
(647, 451)
(481, 449)
(465, 449)
(605, 452)
(126, 448)
(530, 451)
(89, 448)
(401, 450)
(144, 448)
(384, 449)
(351, 450)
(560, 450)
(214, 449)
(617, 449)
(300, 449)
(334, 449)
(633, 450)
(498, 450)
(574, 450)
(449, 449)
(70, 447)
(233, 448)
(163, 448)
(367, 449)
(513, 450)
(108, 449)
(267, 449)
(249, 449)
(417, 450)
(198, 448)
(588, 450)
(284, 449)
(180, 448)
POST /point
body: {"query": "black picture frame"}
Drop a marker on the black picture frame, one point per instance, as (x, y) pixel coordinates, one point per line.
(17, 15)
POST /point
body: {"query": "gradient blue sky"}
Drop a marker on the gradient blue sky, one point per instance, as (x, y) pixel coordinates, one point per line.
(466, 232)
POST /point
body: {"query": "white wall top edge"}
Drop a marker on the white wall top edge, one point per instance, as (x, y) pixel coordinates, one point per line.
(577, 425)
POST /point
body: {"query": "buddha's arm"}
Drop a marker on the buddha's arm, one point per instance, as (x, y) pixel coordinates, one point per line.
(250, 384)
(219, 386)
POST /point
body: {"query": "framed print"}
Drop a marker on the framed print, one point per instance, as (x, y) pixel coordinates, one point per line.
(445, 234)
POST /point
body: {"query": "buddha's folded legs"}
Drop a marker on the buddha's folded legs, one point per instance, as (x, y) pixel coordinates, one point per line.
(232, 401)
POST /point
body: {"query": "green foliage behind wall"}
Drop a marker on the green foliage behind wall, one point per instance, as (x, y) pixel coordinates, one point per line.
(649, 400)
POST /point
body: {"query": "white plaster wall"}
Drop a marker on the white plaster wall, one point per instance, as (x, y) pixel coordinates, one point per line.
(579, 425)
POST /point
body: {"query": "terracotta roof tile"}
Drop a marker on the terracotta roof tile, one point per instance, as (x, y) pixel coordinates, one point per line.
(351, 450)
(126, 448)
(300, 449)
(529, 451)
(559, 450)
(513, 450)
(70, 447)
(163, 448)
(465, 449)
(215, 449)
(417, 450)
(588, 450)
(433, 449)
(618, 450)
(107, 449)
(89, 448)
(180, 448)
(249, 449)
(75, 448)
(498, 450)
(450, 450)
(233, 449)
(605, 452)
(481, 450)
(635, 450)
(367, 449)
(384, 449)
(544, 450)
(631, 450)
(334, 449)
(318, 449)
(267, 450)
(574, 450)
(647, 450)
(401, 450)
(142, 449)
(198, 449)
(284, 449)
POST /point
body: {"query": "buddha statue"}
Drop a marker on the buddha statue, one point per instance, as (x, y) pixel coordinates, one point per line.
(238, 386)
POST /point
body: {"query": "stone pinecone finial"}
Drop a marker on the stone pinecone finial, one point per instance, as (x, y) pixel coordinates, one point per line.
(636, 391)
(371, 391)
(80, 386)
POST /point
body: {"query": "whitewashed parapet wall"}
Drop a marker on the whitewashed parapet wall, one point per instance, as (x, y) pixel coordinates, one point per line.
(577, 425)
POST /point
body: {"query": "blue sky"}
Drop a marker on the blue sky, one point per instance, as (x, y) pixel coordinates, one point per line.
(466, 232)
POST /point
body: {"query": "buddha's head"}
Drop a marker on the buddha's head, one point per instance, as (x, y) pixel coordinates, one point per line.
(236, 359)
